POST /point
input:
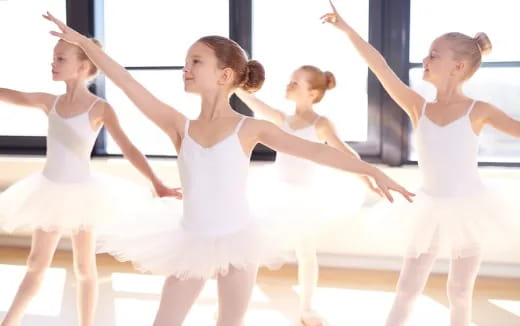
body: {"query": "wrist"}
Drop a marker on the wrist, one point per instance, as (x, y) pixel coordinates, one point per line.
(83, 42)
(345, 28)
(156, 182)
(373, 172)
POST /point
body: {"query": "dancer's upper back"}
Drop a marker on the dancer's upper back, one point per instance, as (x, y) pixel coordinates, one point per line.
(69, 145)
(293, 169)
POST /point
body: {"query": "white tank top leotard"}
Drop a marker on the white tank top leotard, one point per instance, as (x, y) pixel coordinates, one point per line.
(214, 181)
(448, 156)
(69, 144)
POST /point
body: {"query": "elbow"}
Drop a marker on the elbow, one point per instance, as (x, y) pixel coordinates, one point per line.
(382, 67)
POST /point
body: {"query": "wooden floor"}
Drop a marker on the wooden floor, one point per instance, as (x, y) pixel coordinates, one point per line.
(344, 297)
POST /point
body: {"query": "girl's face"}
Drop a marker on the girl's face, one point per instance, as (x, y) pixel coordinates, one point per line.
(440, 65)
(66, 64)
(201, 71)
(299, 89)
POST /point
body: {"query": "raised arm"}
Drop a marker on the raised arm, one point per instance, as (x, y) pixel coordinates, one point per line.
(275, 138)
(133, 154)
(41, 101)
(409, 100)
(259, 107)
(164, 116)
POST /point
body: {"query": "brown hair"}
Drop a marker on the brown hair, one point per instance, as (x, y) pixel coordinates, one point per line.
(469, 48)
(319, 80)
(249, 74)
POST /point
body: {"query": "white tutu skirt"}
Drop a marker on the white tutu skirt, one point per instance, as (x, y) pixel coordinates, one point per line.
(485, 222)
(307, 208)
(37, 202)
(163, 246)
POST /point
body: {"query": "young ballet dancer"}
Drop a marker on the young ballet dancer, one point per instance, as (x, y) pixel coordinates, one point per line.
(453, 210)
(66, 197)
(217, 236)
(307, 87)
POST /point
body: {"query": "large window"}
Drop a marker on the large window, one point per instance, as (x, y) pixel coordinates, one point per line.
(25, 61)
(497, 81)
(288, 34)
(151, 40)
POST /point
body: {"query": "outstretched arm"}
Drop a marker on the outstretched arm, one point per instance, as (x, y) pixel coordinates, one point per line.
(265, 111)
(499, 120)
(41, 101)
(275, 138)
(409, 100)
(133, 154)
(327, 133)
(164, 116)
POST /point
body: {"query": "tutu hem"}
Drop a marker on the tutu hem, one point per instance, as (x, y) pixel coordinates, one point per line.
(36, 202)
(172, 250)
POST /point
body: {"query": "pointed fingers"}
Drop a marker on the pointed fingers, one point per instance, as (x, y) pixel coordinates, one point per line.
(333, 7)
(387, 194)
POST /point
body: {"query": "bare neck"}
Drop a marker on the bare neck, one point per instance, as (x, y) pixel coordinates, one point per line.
(450, 93)
(76, 90)
(305, 111)
(215, 106)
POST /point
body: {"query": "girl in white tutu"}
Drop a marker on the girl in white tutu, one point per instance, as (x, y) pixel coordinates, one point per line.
(308, 191)
(218, 236)
(66, 197)
(454, 210)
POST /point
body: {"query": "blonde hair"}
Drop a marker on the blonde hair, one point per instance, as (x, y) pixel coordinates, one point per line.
(83, 56)
(469, 48)
(319, 80)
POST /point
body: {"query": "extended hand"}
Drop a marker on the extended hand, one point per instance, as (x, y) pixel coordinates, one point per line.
(370, 185)
(163, 191)
(334, 18)
(67, 34)
(386, 184)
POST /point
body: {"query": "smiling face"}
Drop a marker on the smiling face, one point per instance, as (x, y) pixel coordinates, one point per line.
(217, 64)
(201, 72)
(66, 63)
(440, 65)
(454, 57)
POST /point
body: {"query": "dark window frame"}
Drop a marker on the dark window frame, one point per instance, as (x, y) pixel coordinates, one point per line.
(414, 65)
(388, 32)
(80, 15)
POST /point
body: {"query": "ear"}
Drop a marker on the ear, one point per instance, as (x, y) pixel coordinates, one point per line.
(84, 66)
(226, 76)
(459, 67)
(313, 94)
